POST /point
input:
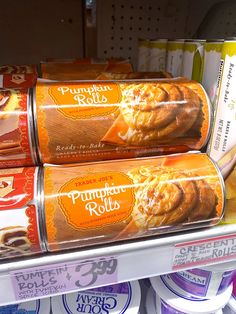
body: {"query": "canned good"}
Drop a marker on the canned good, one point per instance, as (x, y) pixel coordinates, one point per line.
(169, 302)
(18, 69)
(19, 221)
(157, 55)
(32, 307)
(116, 299)
(193, 59)
(211, 64)
(143, 55)
(108, 201)
(222, 147)
(122, 119)
(231, 305)
(18, 80)
(17, 147)
(201, 283)
(174, 59)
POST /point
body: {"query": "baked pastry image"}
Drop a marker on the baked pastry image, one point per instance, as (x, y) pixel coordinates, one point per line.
(14, 241)
(9, 124)
(168, 196)
(159, 113)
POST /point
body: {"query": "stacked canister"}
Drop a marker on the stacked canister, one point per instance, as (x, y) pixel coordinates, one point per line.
(200, 290)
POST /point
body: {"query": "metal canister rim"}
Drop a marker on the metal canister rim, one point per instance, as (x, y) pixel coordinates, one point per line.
(217, 40)
(40, 210)
(31, 129)
(222, 183)
(35, 124)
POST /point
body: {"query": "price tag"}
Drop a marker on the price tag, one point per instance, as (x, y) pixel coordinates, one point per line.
(192, 254)
(61, 278)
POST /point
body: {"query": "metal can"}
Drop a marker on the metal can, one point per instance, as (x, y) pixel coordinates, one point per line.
(143, 55)
(107, 201)
(19, 221)
(222, 147)
(174, 59)
(157, 55)
(17, 144)
(211, 64)
(89, 121)
(193, 59)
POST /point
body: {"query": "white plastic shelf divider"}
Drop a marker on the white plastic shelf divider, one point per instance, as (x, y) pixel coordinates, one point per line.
(135, 260)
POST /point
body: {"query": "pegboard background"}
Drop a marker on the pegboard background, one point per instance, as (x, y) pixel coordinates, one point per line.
(34, 30)
(120, 23)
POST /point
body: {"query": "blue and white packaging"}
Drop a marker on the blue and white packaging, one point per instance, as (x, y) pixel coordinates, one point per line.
(41, 306)
(201, 283)
(115, 299)
(168, 302)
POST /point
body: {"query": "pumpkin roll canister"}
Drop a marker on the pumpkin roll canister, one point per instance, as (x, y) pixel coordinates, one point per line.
(17, 144)
(91, 121)
(20, 227)
(103, 202)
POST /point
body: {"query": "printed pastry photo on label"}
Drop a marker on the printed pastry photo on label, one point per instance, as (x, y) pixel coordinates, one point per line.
(103, 202)
(111, 120)
(15, 136)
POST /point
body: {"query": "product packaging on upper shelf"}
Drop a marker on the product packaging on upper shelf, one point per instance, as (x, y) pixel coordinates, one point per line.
(222, 147)
(211, 65)
(19, 217)
(157, 55)
(143, 55)
(174, 59)
(17, 146)
(193, 59)
(89, 121)
(107, 201)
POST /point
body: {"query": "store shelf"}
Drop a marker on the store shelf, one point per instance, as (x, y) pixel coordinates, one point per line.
(62, 272)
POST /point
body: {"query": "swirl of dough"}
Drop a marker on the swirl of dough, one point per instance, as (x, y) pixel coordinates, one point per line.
(184, 119)
(164, 199)
(150, 106)
(206, 203)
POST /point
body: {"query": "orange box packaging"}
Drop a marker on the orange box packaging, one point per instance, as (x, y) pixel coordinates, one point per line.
(108, 201)
(19, 221)
(17, 147)
(89, 121)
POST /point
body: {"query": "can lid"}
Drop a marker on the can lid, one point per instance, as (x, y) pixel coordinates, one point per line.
(181, 304)
(150, 301)
(217, 40)
(120, 298)
(195, 40)
(41, 306)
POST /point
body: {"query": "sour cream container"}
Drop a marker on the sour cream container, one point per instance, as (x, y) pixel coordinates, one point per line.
(168, 302)
(201, 283)
(41, 306)
(150, 304)
(115, 299)
(231, 306)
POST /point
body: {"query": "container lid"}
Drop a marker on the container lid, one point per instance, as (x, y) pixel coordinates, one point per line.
(41, 306)
(229, 266)
(115, 299)
(197, 306)
(150, 301)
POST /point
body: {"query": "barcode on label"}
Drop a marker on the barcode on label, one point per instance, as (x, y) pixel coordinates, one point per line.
(192, 254)
(61, 278)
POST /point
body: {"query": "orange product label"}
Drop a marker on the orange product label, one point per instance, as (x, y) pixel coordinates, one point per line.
(97, 200)
(83, 100)
(108, 201)
(16, 187)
